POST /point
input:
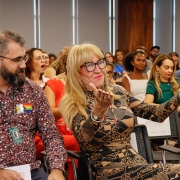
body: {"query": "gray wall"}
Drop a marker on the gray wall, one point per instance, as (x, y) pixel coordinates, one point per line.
(56, 22)
(164, 25)
(92, 23)
(18, 16)
(177, 29)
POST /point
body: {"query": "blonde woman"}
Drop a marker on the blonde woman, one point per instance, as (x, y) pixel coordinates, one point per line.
(162, 85)
(102, 118)
(175, 57)
(57, 67)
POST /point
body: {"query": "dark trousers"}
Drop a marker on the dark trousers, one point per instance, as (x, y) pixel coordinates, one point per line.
(39, 174)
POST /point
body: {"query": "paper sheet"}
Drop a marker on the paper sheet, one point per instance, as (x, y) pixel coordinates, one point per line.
(133, 142)
(156, 129)
(24, 170)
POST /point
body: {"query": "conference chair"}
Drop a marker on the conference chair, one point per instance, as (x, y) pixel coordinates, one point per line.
(84, 170)
(167, 152)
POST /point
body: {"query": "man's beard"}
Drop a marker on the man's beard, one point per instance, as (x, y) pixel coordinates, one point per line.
(14, 79)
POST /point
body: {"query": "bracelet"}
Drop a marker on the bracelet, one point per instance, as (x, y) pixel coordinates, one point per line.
(94, 119)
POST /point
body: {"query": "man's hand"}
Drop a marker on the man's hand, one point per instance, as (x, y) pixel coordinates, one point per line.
(56, 174)
(9, 175)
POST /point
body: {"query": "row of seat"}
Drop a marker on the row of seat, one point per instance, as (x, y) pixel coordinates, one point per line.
(84, 170)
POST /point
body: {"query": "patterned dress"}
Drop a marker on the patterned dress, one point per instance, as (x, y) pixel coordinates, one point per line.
(107, 144)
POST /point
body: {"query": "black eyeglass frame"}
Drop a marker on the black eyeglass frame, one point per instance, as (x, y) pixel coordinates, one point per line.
(18, 60)
(97, 63)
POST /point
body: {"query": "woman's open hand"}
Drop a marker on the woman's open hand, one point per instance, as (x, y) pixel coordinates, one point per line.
(103, 100)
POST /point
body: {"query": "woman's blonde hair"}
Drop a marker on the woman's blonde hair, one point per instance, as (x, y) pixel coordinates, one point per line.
(59, 63)
(74, 100)
(154, 75)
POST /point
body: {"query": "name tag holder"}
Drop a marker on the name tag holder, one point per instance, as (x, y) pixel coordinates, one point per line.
(16, 137)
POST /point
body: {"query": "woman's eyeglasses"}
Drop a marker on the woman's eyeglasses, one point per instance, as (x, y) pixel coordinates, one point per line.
(45, 57)
(90, 66)
(40, 58)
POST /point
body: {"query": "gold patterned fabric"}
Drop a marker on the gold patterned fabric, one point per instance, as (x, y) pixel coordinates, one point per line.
(107, 144)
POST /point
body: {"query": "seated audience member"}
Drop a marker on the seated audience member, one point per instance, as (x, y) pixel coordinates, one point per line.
(35, 66)
(149, 71)
(52, 58)
(136, 81)
(102, 119)
(177, 74)
(46, 58)
(153, 52)
(162, 85)
(148, 65)
(118, 58)
(63, 56)
(109, 57)
(113, 77)
(24, 109)
(175, 57)
(57, 67)
(54, 91)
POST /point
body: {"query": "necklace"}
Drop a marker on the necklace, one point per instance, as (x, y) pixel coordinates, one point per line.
(112, 110)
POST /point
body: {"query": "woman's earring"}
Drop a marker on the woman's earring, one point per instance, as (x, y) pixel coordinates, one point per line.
(158, 74)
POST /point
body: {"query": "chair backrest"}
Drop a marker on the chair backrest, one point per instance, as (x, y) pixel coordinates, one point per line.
(175, 126)
(143, 144)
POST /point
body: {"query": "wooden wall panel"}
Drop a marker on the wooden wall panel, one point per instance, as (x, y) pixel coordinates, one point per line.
(123, 25)
(135, 24)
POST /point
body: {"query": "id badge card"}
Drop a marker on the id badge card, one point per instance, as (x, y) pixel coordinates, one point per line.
(16, 137)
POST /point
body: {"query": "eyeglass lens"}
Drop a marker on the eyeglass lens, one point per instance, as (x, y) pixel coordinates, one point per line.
(45, 57)
(90, 66)
(19, 60)
(40, 58)
(25, 58)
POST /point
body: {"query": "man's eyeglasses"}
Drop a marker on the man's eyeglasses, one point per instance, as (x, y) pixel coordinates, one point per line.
(18, 60)
(90, 66)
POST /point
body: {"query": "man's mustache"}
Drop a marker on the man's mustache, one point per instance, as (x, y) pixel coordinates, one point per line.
(21, 70)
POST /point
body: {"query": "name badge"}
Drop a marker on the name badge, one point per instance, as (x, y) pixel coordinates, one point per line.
(16, 137)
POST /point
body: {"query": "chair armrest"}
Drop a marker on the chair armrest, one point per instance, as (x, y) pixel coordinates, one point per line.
(45, 161)
(170, 149)
(74, 154)
(84, 170)
(43, 153)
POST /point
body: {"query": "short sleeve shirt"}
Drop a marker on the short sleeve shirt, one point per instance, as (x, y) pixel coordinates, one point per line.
(166, 88)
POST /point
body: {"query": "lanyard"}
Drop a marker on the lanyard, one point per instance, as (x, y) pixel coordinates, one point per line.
(5, 113)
